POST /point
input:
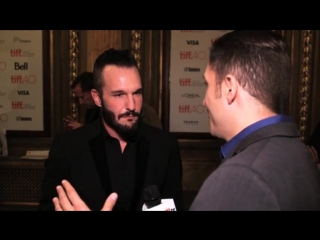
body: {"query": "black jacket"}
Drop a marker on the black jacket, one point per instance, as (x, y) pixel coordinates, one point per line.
(79, 157)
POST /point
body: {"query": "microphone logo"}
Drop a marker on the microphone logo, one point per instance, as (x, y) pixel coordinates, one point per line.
(153, 201)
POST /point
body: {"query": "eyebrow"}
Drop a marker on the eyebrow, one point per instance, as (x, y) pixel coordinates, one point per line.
(121, 91)
(117, 92)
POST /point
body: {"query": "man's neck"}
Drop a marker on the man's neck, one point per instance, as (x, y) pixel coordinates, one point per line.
(114, 134)
(252, 116)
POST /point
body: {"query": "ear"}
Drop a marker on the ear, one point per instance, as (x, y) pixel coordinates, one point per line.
(96, 97)
(231, 89)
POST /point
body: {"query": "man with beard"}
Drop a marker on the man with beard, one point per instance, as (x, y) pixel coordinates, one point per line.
(118, 152)
(82, 86)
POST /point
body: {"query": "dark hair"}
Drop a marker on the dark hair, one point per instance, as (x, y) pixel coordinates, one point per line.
(120, 58)
(85, 80)
(260, 60)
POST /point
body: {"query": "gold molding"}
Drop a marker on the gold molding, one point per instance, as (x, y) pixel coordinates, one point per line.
(136, 45)
(305, 81)
(74, 66)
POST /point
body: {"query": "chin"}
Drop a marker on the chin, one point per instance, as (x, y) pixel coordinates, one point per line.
(212, 130)
(212, 133)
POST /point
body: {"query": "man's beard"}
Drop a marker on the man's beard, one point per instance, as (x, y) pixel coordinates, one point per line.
(126, 132)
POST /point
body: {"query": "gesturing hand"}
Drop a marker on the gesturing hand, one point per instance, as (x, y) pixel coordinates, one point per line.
(69, 200)
(70, 123)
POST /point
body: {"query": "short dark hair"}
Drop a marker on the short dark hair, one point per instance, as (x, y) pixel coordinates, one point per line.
(85, 80)
(260, 60)
(120, 58)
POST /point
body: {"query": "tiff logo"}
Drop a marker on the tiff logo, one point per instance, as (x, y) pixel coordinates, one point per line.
(185, 82)
(23, 79)
(16, 79)
(21, 105)
(16, 52)
(191, 109)
(184, 108)
(17, 105)
(192, 55)
(23, 92)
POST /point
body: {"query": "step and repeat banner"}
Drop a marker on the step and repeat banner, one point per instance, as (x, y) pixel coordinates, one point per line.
(21, 80)
(189, 55)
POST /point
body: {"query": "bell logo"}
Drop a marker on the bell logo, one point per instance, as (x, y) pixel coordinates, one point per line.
(192, 42)
(18, 66)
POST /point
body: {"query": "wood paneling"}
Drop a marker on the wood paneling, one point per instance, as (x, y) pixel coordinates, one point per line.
(98, 41)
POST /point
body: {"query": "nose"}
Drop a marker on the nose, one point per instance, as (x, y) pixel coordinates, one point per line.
(130, 103)
(204, 102)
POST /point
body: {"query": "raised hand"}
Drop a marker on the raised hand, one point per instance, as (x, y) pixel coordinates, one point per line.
(69, 200)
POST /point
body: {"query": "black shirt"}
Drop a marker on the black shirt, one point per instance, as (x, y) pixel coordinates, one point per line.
(122, 171)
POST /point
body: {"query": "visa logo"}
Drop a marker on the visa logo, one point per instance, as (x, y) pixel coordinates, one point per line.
(23, 92)
(192, 42)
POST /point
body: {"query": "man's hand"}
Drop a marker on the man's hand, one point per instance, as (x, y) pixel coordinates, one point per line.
(69, 200)
(70, 123)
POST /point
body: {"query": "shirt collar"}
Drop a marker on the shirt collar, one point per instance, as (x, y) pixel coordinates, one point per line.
(232, 143)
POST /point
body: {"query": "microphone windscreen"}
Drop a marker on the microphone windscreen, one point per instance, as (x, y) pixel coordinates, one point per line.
(151, 196)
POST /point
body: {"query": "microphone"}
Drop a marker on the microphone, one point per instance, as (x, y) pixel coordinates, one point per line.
(153, 201)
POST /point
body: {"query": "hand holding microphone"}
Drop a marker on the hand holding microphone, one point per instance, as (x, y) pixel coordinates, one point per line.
(153, 201)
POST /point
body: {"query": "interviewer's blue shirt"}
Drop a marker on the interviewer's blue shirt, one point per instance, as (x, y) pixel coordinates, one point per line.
(233, 142)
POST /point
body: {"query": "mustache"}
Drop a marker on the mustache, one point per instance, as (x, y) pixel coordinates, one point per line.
(129, 113)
